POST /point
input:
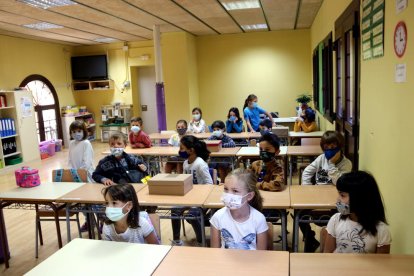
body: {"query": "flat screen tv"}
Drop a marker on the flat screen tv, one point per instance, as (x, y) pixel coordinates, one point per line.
(89, 67)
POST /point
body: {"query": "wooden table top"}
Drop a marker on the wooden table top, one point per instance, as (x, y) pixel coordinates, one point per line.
(90, 193)
(318, 264)
(183, 260)
(206, 135)
(98, 257)
(301, 134)
(47, 191)
(173, 151)
(271, 200)
(255, 151)
(313, 196)
(194, 198)
(282, 120)
(304, 150)
(225, 152)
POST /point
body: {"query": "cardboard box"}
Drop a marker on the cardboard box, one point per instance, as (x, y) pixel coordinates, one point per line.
(170, 184)
(213, 145)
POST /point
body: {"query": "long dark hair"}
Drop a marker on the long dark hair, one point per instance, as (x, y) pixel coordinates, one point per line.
(249, 181)
(124, 193)
(200, 148)
(236, 112)
(249, 98)
(364, 199)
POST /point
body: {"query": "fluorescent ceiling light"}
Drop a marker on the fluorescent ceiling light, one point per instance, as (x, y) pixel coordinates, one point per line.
(43, 26)
(254, 27)
(105, 39)
(241, 5)
(45, 4)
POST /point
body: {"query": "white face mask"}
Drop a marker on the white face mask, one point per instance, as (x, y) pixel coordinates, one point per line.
(217, 133)
(117, 151)
(77, 136)
(115, 213)
(196, 117)
(135, 129)
(343, 208)
(232, 201)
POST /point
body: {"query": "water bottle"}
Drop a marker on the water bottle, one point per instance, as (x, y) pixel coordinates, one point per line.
(248, 164)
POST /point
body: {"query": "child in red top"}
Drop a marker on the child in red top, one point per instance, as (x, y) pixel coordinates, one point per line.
(137, 137)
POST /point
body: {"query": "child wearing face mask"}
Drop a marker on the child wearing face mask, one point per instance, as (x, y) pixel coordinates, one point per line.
(265, 126)
(234, 123)
(115, 168)
(306, 122)
(222, 164)
(80, 153)
(360, 226)
(269, 172)
(80, 149)
(137, 137)
(195, 153)
(252, 113)
(240, 224)
(176, 163)
(197, 124)
(124, 222)
(326, 169)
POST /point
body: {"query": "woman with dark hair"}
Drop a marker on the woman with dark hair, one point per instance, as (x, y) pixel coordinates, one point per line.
(360, 226)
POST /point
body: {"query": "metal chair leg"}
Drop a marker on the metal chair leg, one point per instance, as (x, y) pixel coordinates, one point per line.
(185, 235)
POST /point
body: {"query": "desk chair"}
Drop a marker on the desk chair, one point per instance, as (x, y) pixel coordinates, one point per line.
(283, 133)
(307, 142)
(47, 214)
(270, 235)
(155, 220)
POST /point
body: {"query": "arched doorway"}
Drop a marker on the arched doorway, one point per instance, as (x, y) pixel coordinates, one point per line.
(46, 106)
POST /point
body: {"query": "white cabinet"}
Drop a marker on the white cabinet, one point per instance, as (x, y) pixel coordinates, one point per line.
(17, 120)
(87, 118)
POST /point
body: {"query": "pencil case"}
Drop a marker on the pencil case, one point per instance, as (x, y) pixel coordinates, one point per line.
(27, 177)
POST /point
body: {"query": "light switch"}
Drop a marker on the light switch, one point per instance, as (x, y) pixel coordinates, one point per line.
(144, 107)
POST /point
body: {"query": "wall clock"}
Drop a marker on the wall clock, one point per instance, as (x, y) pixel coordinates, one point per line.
(400, 38)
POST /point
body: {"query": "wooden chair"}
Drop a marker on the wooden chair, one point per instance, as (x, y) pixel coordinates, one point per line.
(270, 236)
(322, 239)
(47, 214)
(283, 134)
(155, 220)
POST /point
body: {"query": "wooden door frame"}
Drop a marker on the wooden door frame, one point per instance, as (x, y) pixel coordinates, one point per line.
(39, 109)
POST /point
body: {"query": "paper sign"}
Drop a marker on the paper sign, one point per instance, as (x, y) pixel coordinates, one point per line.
(400, 73)
(26, 105)
(400, 5)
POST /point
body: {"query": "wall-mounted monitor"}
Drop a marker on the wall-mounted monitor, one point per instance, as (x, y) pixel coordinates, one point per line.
(89, 67)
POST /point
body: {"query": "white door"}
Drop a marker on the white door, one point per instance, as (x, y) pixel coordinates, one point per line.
(146, 84)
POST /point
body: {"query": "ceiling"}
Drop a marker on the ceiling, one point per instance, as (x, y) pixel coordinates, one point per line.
(89, 21)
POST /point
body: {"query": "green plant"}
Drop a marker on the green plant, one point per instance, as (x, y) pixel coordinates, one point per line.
(304, 99)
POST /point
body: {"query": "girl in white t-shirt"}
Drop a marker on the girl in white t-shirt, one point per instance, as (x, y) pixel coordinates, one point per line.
(360, 226)
(240, 225)
(197, 124)
(124, 222)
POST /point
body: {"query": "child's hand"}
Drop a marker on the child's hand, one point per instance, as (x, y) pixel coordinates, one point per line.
(107, 182)
(335, 158)
(252, 131)
(142, 167)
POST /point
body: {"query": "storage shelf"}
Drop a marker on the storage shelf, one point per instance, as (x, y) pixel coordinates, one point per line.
(11, 154)
(14, 135)
(7, 107)
(100, 85)
(91, 125)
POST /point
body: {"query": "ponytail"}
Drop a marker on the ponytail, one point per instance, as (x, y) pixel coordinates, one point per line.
(249, 98)
(248, 179)
(199, 146)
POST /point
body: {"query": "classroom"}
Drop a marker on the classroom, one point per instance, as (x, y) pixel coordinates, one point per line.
(215, 71)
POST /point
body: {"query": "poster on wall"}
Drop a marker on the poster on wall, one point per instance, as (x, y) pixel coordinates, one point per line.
(372, 28)
(26, 105)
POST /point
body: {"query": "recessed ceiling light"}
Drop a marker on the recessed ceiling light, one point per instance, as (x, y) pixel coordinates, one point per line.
(241, 5)
(43, 26)
(105, 39)
(45, 4)
(254, 27)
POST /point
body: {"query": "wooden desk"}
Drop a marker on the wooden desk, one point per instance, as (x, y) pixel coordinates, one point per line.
(194, 198)
(301, 134)
(301, 151)
(95, 257)
(310, 197)
(158, 136)
(47, 193)
(90, 193)
(199, 261)
(285, 121)
(319, 264)
(255, 151)
(279, 201)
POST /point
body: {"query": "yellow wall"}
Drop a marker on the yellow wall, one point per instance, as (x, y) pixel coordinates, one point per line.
(385, 120)
(273, 65)
(20, 58)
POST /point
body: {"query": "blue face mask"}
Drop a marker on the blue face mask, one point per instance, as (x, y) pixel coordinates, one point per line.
(232, 118)
(331, 152)
(217, 133)
(77, 136)
(255, 104)
(183, 154)
(343, 208)
(135, 129)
